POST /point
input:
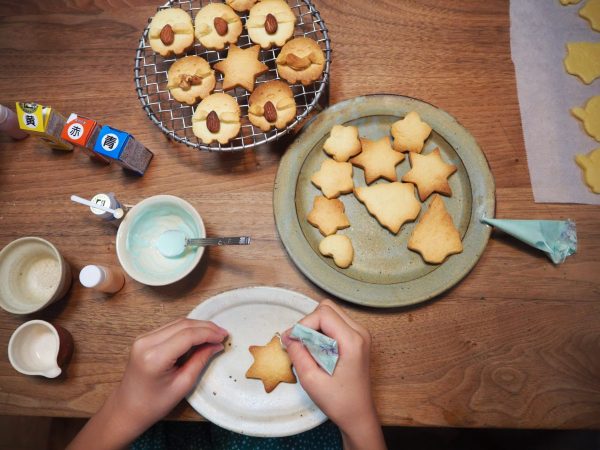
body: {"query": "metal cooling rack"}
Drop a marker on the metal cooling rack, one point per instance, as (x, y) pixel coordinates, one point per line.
(175, 119)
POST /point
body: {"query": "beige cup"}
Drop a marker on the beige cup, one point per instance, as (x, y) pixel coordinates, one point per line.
(33, 274)
(40, 348)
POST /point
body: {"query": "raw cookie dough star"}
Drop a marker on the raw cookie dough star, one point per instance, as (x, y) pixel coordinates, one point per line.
(583, 60)
(435, 237)
(392, 204)
(429, 173)
(591, 12)
(343, 143)
(590, 116)
(272, 365)
(328, 215)
(241, 67)
(378, 159)
(334, 178)
(410, 133)
(590, 165)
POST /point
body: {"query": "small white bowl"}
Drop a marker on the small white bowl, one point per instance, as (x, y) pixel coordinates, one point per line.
(141, 228)
(33, 274)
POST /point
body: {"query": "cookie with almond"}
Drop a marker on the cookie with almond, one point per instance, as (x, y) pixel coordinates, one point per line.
(271, 105)
(217, 25)
(217, 118)
(190, 79)
(271, 23)
(301, 60)
(171, 32)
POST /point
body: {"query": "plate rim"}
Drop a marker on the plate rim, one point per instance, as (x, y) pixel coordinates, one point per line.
(285, 194)
(236, 427)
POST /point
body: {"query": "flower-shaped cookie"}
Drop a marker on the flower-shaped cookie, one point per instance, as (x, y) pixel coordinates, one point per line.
(378, 159)
(241, 5)
(343, 143)
(328, 215)
(217, 25)
(190, 79)
(171, 31)
(217, 118)
(271, 22)
(301, 60)
(271, 105)
(241, 67)
(334, 178)
(429, 173)
(410, 133)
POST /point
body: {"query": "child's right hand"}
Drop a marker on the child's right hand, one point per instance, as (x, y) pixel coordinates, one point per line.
(345, 397)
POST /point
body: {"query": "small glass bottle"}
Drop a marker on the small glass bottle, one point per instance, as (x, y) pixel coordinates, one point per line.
(110, 201)
(9, 124)
(106, 279)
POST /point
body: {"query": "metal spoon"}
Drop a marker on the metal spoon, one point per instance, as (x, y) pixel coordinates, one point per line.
(172, 243)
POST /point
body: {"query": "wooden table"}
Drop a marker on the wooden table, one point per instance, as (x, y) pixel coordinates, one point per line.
(515, 344)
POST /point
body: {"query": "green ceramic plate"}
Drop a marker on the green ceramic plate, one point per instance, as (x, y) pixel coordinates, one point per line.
(384, 273)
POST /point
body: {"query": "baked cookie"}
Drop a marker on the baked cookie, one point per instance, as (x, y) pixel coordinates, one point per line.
(271, 105)
(429, 173)
(171, 32)
(272, 365)
(410, 133)
(241, 67)
(217, 25)
(334, 178)
(435, 237)
(217, 118)
(271, 22)
(590, 166)
(301, 60)
(378, 159)
(190, 79)
(241, 5)
(339, 247)
(328, 215)
(392, 204)
(343, 143)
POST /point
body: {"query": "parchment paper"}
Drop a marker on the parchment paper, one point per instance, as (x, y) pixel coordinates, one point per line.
(539, 32)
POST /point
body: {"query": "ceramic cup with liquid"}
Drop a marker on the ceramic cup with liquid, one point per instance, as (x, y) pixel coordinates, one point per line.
(39, 348)
(33, 274)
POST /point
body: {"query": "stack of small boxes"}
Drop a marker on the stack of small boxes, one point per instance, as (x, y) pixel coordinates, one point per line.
(101, 142)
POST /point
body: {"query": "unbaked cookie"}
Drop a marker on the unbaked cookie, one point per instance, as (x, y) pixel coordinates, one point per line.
(301, 60)
(190, 79)
(171, 32)
(583, 60)
(217, 25)
(241, 67)
(271, 105)
(241, 5)
(590, 166)
(271, 22)
(590, 116)
(217, 118)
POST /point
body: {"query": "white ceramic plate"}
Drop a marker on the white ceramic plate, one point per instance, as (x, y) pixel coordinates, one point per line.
(224, 395)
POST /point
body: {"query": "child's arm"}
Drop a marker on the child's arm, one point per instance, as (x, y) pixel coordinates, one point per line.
(344, 397)
(153, 383)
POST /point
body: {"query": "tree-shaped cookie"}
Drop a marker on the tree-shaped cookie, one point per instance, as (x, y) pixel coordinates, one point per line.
(334, 178)
(590, 165)
(410, 133)
(272, 365)
(429, 173)
(392, 204)
(328, 215)
(378, 159)
(435, 237)
(343, 143)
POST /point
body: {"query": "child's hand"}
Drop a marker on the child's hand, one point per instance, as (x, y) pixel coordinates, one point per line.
(344, 397)
(154, 382)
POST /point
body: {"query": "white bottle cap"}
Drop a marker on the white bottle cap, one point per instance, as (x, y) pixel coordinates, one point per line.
(91, 276)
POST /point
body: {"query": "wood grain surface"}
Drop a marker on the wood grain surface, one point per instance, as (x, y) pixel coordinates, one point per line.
(515, 344)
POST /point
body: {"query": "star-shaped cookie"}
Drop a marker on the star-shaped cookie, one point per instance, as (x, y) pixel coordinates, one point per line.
(410, 133)
(392, 204)
(435, 237)
(241, 67)
(328, 215)
(343, 143)
(334, 178)
(429, 173)
(272, 365)
(378, 159)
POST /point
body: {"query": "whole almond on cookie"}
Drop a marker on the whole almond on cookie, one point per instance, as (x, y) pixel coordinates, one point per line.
(221, 26)
(212, 122)
(270, 112)
(271, 24)
(167, 35)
